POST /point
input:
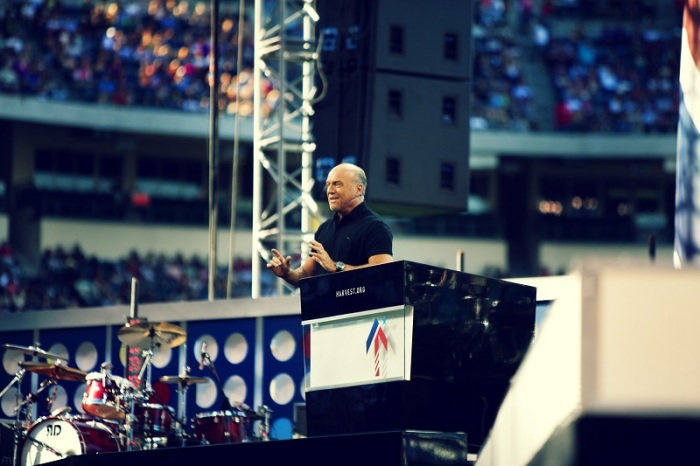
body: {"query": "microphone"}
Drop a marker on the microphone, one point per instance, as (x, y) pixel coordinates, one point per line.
(203, 356)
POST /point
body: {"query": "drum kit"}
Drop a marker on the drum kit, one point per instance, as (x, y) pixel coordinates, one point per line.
(119, 415)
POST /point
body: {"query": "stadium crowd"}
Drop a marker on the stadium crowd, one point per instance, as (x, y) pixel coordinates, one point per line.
(131, 53)
(622, 79)
(68, 278)
(155, 53)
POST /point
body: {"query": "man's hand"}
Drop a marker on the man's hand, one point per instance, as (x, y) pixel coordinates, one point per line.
(320, 255)
(279, 265)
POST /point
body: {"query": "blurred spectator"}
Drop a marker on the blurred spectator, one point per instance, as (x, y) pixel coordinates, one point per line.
(153, 53)
(619, 80)
(70, 279)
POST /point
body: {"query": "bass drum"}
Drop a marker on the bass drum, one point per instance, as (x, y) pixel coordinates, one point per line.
(52, 438)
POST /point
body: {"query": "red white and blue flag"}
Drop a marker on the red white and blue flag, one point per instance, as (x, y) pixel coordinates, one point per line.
(687, 221)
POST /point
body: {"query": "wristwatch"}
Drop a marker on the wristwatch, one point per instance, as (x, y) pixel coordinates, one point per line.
(339, 266)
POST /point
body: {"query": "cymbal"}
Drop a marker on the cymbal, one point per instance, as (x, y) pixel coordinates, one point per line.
(33, 351)
(158, 334)
(183, 380)
(54, 371)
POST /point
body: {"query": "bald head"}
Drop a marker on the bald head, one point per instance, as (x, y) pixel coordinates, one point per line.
(345, 187)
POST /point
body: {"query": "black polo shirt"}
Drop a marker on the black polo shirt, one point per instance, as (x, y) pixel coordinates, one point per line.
(353, 240)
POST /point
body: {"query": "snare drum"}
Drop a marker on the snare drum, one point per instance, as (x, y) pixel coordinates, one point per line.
(52, 438)
(217, 427)
(101, 397)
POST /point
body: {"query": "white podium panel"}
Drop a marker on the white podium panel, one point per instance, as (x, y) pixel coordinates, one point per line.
(361, 348)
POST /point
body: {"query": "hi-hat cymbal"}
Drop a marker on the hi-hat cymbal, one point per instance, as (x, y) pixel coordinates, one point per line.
(54, 371)
(147, 334)
(33, 351)
(183, 380)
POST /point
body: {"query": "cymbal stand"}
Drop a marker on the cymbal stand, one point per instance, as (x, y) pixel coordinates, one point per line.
(26, 406)
(130, 418)
(206, 361)
(17, 379)
(31, 397)
(182, 421)
(148, 357)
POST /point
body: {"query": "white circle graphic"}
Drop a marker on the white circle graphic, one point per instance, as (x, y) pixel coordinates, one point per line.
(205, 394)
(162, 357)
(283, 345)
(11, 360)
(59, 349)
(282, 389)
(235, 389)
(61, 399)
(78, 397)
(9, 402)
(236, 348)
(86, 356)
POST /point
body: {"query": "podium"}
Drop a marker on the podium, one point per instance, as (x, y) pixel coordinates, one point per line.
(406, 346)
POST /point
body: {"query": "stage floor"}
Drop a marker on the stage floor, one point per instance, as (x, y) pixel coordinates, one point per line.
(407, 448)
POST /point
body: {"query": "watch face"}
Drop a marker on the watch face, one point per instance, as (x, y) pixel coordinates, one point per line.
(339, 266)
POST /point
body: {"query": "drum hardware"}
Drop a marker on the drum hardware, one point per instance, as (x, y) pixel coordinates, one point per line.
(17, 427)
(264, 428)
(34, 351)
(148, 335)
(183, 382)
(31, 397)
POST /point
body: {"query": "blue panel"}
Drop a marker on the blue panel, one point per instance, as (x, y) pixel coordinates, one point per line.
(231, 345)
(281, 404)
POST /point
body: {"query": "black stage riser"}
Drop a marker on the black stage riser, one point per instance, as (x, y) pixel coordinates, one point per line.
(385, 448)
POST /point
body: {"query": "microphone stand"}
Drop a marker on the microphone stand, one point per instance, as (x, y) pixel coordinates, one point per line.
(225, 404)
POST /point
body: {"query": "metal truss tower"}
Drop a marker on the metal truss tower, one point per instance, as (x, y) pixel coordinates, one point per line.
(283, 144)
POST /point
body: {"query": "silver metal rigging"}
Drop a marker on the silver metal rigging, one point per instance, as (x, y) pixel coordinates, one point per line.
(283, 144)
